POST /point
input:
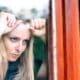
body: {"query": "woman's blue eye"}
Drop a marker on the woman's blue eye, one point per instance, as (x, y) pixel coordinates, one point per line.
(13, 39)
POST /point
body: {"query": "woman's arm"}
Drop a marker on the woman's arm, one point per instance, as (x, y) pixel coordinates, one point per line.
(42, 71)
(7, 21)
(39, 28)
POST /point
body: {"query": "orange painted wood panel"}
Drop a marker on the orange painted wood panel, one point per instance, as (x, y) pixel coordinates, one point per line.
(72, 40)
(60, 46)
(68, 41)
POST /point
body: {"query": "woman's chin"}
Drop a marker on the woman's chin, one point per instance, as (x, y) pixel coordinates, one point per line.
(12, 58)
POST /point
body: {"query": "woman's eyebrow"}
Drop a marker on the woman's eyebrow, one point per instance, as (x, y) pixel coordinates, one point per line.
(14, 36)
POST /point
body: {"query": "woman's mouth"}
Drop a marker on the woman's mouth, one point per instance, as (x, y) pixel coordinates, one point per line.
(15, 55)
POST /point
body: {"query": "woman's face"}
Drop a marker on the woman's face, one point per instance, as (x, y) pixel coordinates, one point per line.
(16, 41)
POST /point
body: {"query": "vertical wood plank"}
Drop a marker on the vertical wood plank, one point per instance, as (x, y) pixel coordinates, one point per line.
(72, 40)
(50, 43)
(59, 47)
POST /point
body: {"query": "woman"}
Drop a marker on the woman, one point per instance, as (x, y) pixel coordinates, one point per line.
(16, 47)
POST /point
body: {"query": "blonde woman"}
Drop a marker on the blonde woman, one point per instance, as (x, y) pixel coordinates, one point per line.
(16, 47)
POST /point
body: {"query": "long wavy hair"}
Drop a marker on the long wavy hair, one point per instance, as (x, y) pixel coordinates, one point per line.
(25, 71)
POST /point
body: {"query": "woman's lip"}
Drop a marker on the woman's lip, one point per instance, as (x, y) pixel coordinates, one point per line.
(15, 55)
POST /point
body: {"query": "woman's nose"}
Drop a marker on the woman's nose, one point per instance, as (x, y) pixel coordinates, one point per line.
(20, 47)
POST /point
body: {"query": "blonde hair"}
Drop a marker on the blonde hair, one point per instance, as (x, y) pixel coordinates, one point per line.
(3, 60)
(25, 71)
(26, 68)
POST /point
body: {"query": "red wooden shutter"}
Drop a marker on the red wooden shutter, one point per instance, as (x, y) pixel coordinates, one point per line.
(72, 40)
(68, 43)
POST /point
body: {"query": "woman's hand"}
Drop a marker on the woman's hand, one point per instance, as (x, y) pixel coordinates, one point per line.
(7, 22)
(39, 27)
